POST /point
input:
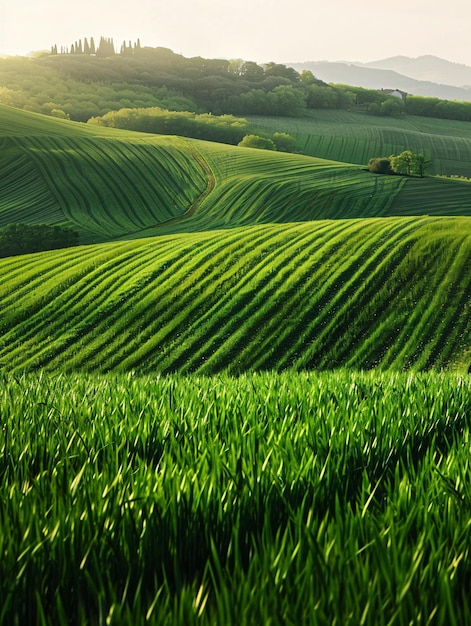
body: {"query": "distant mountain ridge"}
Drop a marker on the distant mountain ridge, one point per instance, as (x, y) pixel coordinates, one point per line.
(422, 76)
(426, 68)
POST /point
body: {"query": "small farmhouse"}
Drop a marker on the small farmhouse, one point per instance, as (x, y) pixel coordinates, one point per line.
(397, 93)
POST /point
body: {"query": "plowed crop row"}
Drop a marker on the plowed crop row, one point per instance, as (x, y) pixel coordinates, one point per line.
(361, 293)
(355, 138)
(112, 187)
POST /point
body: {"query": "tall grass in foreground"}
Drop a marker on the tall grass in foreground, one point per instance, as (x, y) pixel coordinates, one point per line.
(332, 498)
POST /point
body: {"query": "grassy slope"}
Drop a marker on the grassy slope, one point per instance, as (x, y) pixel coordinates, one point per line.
(115, 184)
(105, 184)
(112, 184)
(361, 293)
(358, 293)
(357, 137)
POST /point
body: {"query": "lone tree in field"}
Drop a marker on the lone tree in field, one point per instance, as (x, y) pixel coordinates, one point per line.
(420, 164)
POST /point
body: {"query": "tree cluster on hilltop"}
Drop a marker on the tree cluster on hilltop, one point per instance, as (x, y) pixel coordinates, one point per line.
(105, 48)
(88, 80)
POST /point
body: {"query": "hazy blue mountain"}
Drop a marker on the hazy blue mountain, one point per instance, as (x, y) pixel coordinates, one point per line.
(427, 68)
(371, 77)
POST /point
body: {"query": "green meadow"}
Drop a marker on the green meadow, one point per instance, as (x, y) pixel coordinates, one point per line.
(244, 398)
(313, 498)
(354, 137)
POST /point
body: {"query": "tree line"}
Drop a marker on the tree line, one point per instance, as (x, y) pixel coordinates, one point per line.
(19, 238)
(105, 48)
(88, 80)
(221, 128)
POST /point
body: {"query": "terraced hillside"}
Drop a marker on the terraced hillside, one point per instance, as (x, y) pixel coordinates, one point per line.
(357, 137)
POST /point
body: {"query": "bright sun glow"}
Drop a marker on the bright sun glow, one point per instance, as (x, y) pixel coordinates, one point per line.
(249, 29)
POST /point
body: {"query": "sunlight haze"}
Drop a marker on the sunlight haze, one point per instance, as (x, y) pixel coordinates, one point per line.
(301, 30)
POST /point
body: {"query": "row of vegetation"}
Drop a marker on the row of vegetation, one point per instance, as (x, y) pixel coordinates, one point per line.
(389, 293)
(83, 84)
(20, 238)
(220, 128)
(108, 183)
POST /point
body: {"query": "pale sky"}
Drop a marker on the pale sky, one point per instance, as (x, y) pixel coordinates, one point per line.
(254, 30)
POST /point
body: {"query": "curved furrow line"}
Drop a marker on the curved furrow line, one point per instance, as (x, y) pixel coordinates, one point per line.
(362, 315)
(237, 311)
(73, 304)
(39, 273)
(89, 199)
(111, 194)
(245, 326)
(147, 198)
(141, 208)
(400, 315)
(406, 316)
(423, 325)
(52, 319)
(130, 311)
(24, 195)
(174, 312)
(69, 288)
(108, 189)
(194, 207)
(70, 194)
(450, 331)
(174, 317)
(116, 204)
(250, 298)
(335, 294)
(316, 329)
(120, 325)
(318, 321)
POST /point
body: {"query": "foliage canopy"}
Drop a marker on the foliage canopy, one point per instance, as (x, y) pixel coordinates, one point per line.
(21, 238)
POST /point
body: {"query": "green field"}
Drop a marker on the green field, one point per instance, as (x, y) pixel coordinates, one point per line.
(335, 498)
(112, 184)
(245, 400)
(356, 293)
(357, 137)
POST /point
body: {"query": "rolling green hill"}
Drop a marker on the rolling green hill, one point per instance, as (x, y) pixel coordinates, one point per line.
(239, 495)
(111, 184)
(388, 293)
(357, 137)
(234, 281)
